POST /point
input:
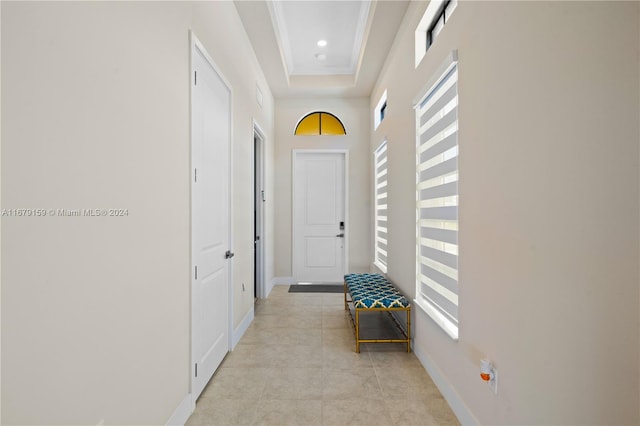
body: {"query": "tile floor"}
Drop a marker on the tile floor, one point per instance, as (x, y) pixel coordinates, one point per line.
(296, 365)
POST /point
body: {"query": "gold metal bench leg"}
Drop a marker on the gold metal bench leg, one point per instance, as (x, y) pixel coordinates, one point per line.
(346, 306)
(408, 330)
(357, 330)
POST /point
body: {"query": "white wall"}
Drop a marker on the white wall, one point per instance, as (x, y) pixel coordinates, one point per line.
(95, 96)
(549, 181)
(354, 114)
(241, 68)
(0, 207)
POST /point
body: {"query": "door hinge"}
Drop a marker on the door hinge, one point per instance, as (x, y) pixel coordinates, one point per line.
(229, 254)
(195, 175)
(196, 273)
(195, 78)
(196, 369)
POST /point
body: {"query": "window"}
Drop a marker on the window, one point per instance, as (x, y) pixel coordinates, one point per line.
(320, 123)
(436, 15)
(437, 200)
(380, 111)
(442, 17)
(380, 209)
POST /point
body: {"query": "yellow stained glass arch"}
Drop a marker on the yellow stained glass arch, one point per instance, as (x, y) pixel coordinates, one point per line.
(320, 123)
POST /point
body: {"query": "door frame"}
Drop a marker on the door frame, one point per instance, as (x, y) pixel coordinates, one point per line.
(345, 153)
(258, 133)
(194, 43)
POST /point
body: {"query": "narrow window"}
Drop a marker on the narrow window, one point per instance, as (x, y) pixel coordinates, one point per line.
(383, 110)
(380, 210)
(442, 16)
(435, 17)
(380, 111)
(437, 201)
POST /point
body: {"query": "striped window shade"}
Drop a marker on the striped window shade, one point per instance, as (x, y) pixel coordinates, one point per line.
(437, 200)
(380, 196)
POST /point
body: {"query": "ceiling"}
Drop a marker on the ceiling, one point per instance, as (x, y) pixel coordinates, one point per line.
(285, 36)
(320, 38)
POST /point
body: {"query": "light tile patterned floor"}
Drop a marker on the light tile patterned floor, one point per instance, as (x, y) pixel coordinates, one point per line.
(296, 365)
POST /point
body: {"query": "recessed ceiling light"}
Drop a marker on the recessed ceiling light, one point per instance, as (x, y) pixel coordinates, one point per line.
(322, 43)
(321, 56)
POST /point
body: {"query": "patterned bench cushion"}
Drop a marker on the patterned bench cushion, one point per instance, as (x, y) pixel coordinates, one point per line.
(374, 291)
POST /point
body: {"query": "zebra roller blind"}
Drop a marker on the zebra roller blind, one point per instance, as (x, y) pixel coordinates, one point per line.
(437, 201)
(380, 194)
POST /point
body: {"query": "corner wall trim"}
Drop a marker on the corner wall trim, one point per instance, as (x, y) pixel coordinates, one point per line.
(242, 328)
(450, 395)
(182, 413)
(268, 286)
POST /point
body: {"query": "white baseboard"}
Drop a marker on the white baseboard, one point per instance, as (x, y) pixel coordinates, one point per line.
(283, 281)
(465, 417)
(242, 328)
(182, 413)
(277, 281)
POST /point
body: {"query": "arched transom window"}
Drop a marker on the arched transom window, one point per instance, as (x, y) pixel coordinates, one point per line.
(320, 123)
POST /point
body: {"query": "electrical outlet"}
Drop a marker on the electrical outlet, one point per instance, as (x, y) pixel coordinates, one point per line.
(493, 383)
(489, 374)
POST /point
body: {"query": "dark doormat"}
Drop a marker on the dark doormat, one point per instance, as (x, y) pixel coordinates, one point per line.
(316, 288)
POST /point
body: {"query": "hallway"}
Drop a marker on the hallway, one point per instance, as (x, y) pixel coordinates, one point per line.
(492, 151)
(296, 365)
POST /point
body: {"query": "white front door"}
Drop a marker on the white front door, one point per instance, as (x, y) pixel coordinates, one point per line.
(210, 127)
(319, 221)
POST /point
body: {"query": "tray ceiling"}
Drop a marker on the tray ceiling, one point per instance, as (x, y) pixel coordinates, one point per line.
(285, 36)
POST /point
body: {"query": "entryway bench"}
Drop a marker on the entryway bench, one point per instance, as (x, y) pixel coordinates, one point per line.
(373, 292)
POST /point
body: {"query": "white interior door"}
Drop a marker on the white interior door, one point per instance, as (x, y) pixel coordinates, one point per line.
(258, 212)
(319, 236)
(211, 100)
